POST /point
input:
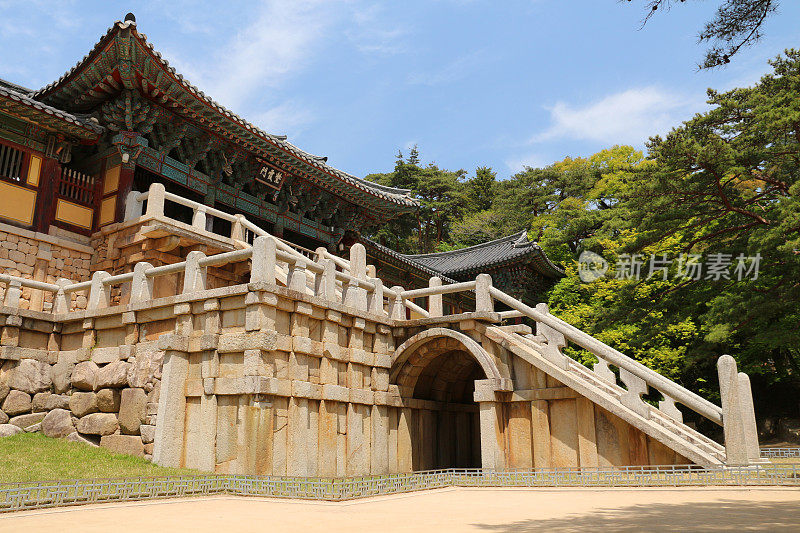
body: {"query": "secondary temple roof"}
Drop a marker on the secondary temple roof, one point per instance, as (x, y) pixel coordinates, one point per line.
(451, 265)
(512, 248)
(122, 60)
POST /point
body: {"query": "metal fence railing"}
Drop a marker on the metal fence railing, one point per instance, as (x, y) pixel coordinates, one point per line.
(38, 495)
(781, 452)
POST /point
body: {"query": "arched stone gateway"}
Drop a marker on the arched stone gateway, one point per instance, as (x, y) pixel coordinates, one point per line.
(437, 371)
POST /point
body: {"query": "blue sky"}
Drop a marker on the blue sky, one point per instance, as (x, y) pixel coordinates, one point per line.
(471, 82)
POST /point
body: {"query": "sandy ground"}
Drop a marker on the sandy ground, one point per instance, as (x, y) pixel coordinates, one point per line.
(457, 509)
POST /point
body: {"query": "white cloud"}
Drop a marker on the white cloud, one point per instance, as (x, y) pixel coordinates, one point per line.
(371, 33)
(518, 164)
(288, 118)
(454, 71)
(628, 117)
(279, 41)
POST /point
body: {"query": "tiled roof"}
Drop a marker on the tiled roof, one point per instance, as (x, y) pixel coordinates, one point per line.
(489, 254)
(387, 252)
(400, 197)
(448, 265)
(22, 96)
(16, 88)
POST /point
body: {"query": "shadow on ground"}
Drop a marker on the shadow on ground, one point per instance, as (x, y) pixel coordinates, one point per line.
(725, 515)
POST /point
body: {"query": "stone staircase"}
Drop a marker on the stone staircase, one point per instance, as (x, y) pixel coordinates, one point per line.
(543, 350)
(672, 432)
(616, 383)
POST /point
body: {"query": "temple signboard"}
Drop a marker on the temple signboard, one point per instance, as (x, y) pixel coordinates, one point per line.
(269, 176)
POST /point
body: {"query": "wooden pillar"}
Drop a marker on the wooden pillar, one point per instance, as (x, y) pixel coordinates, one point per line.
(125, 186)
(46, 195)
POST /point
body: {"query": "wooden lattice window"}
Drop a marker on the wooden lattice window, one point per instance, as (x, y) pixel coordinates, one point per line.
(76, 186)
(11, 163)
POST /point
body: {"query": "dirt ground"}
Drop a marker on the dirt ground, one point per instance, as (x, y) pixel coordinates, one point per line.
(456, 509)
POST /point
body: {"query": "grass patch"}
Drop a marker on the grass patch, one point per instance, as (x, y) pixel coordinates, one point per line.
(785, 460)
(34, 457)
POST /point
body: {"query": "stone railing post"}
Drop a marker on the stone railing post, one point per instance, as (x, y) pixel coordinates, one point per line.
(62, 301)
(199, 218)
(748, 417)
(263, 260)
(398, 308)
(237, 228)
(156, 196)
(483, 297)
(358, 261)
(13, 293)
(553, 341)
(194, 276)
(141, 285)
(325, 282)
(667, 406)
(732, 420)
(632, 398)
(435, 305)
(357, 296)
(99, 292)
(133, 207)
(297, 277)
(376, 298)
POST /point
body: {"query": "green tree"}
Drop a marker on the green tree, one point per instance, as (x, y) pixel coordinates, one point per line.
(727, 182)
(724, 185)
(736, 25)
(437, 190)
(479, 190)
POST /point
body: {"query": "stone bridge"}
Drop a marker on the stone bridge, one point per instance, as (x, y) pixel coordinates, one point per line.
(311, 367)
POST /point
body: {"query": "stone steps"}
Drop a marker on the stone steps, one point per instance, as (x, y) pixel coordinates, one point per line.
(670, 432)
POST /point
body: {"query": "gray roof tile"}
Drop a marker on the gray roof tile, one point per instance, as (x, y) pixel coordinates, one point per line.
(480, 257)
(22, 95)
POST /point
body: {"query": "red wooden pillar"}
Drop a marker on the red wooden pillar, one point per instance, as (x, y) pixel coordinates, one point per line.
(46, 197)
(125, 186)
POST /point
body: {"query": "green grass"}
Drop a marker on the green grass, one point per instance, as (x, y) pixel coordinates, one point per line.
(34, 457)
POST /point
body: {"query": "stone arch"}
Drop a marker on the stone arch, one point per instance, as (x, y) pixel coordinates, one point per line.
(436, 372)
(414, 351)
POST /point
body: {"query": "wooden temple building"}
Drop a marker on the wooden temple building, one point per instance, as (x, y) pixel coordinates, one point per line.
(122, 119)
(517, 265)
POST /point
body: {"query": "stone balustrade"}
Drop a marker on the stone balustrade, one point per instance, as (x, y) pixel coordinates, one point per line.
(337, 295)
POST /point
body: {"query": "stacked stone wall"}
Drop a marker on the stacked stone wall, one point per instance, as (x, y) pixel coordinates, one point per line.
(94, 380)
(45, 258)
(118, 247)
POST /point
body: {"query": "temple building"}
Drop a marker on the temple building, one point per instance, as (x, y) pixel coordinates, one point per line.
(517, 265)
(122, 119)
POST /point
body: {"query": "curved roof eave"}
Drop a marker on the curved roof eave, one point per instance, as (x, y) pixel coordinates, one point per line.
(85, 127)
(399, 197)
(492, 253)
